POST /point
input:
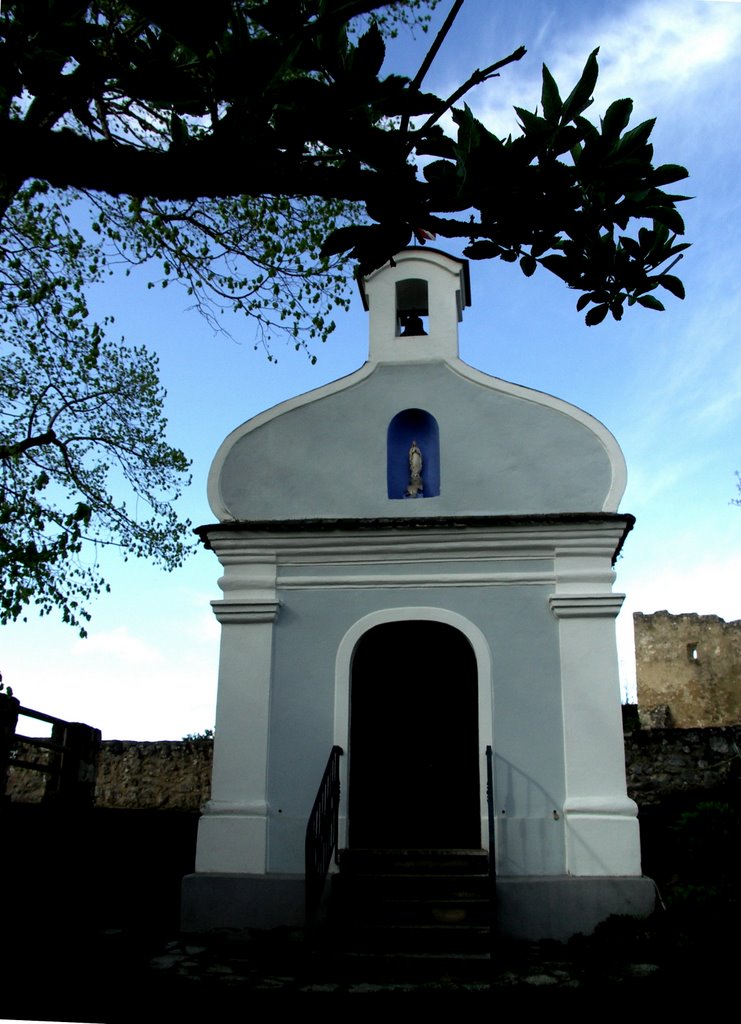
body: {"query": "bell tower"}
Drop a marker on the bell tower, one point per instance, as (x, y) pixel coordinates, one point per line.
(415, 306)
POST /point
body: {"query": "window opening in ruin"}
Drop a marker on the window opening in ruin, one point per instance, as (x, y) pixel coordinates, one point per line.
(692, 654)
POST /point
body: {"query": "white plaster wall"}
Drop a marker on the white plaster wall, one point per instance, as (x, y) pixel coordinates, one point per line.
(524, 726)
(504, 450)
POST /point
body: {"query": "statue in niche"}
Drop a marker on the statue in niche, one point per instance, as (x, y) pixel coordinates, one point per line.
(415, 485)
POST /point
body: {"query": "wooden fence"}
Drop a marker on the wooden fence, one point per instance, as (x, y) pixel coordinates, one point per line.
(68, 758)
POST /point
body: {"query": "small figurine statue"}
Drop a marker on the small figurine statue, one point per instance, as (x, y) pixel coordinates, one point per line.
(415, 485)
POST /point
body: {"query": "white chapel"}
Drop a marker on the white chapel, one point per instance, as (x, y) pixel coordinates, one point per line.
(417, 565)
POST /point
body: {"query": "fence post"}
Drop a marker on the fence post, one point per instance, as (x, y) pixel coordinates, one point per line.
(74, 783)
(8, 721)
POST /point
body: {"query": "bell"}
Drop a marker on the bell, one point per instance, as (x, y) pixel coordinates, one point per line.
(412, 326)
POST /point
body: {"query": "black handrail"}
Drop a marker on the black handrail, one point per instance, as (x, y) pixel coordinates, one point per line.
(322, 834)
(492, 849)
(490, 803)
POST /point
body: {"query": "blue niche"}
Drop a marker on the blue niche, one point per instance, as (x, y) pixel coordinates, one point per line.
(405, 428)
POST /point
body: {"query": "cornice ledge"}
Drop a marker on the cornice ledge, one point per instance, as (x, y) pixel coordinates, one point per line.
(581, 606)
(236, 611)
(621, 806)
(242, 808)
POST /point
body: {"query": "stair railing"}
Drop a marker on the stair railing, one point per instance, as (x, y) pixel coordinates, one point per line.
(490, 803)
(322, 833)
(492, 850)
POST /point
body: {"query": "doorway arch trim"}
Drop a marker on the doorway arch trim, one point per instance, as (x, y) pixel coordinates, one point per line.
(343, 673)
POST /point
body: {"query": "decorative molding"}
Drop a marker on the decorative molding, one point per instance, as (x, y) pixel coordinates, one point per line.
(366, 580)
(343, 667)
(585, 606)
(245, 611)
(289, 543)
(246, 808)
(620, 806)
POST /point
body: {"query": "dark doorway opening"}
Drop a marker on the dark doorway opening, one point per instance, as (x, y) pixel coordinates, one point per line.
(414, 776)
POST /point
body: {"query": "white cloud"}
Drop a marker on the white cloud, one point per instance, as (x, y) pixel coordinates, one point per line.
(119, 645)
(656, 52)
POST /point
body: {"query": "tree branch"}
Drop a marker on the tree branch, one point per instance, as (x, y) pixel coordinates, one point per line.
(430, 56)
(475, 79)
(204, 169)
(10, 451)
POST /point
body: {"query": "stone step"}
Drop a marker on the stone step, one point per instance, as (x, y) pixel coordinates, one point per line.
(402, 861)
(374, 910)
(399, 914)
(415, 938)
(367, 888)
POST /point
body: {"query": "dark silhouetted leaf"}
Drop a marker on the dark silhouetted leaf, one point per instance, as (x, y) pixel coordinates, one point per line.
(616, 119)
(667, 173)
(650, 302)
(528, 265)
(581, 95)
(550, 98)
(672, 284)
(596, 315)
(482, 250)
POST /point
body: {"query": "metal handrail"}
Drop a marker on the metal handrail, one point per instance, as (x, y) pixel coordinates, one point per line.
(490, 802)
(322, 834)
(492, 849)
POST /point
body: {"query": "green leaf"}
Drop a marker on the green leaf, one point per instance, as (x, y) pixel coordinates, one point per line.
(597, 314)
(178, 130)
(580, 96)
(650, 302)
(341, 240)
(369, 54)
(440, 172)
(532, 123)
(482, 250)
(550, 98)
(672, 284)
(616, 119)
(667, 216)
(665, 174)
(637, 137)
(558, 265)
(528, 265)
(616, 308)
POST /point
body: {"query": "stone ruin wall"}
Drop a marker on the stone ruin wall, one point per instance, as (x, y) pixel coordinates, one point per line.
(175, 775)
(688, 670)
(689, 737)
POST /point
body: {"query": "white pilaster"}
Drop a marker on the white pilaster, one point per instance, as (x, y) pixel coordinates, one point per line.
(601, 832)
(232, 834)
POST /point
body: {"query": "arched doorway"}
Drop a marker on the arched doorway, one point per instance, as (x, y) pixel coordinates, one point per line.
(414, 779)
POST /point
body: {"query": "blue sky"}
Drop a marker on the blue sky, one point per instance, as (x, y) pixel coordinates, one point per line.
(668, 385)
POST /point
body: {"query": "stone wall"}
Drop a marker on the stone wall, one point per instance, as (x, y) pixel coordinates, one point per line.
(688, 670)
(164, 775)
(664, 763)
(172, 775)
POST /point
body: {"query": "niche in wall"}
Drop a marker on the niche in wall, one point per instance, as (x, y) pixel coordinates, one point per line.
(407, 427)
